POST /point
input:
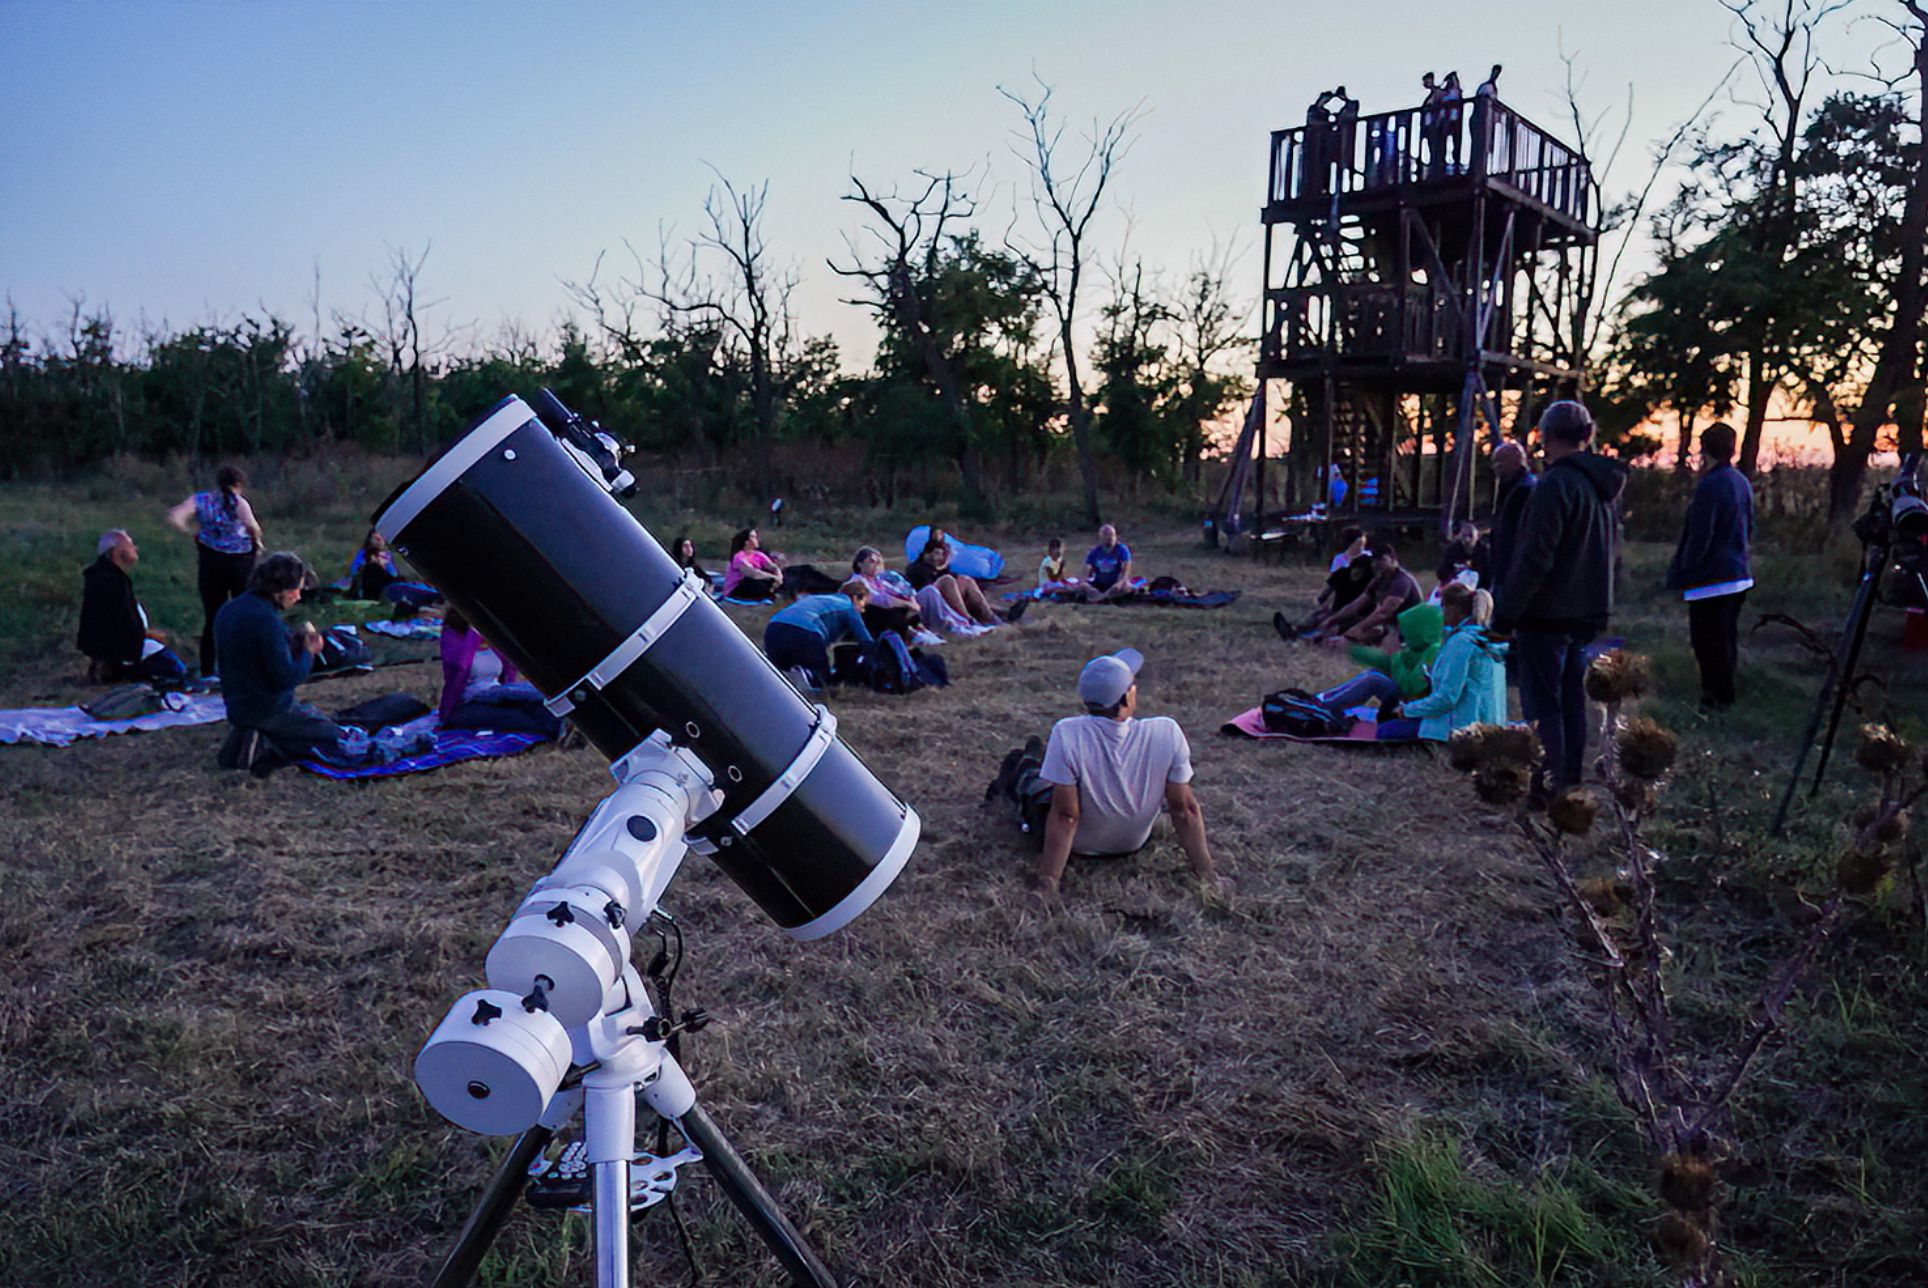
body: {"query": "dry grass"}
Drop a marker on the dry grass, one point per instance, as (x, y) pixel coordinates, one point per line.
(217, 986)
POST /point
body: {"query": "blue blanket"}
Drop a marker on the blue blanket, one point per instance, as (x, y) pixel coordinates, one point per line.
(981, 562)
(452, 747)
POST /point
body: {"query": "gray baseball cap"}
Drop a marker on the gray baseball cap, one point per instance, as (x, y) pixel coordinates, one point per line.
(1104, 680)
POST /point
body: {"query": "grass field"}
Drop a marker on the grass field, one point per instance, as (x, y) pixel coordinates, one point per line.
(1374, 1065)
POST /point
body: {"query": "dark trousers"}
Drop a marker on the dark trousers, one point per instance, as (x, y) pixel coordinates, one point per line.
(1714, 625)
(788, 646)
(1552, 671)
(160, 668)
(221, 577)
(506, 708)
(300, 732)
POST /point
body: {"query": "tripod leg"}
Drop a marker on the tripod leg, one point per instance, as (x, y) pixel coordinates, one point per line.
(756, 1203)
(486, 1221)
(1838, 675)
(1858, 633)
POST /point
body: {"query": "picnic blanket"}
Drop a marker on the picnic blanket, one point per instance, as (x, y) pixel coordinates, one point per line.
(415, 628)
(1141, 594)
(1251, 724)
(62, 726)
(452, 747)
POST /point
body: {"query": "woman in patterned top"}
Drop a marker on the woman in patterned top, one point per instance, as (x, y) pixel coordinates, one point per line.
(226, 537)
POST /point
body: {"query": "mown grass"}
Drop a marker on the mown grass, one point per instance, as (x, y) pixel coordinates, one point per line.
(1374, 1065)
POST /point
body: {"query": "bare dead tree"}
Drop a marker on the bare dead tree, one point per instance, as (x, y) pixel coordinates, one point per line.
(401, 336)
(1066, 194)
(1623, 217)
(1777, 38)
(904, 241)
(1208, 327)
(1895, 385)
(749, 300)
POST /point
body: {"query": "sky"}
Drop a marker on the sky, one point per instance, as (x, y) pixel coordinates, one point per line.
(186, 161)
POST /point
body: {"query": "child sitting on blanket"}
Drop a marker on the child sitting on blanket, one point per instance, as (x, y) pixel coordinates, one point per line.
(1051, 569)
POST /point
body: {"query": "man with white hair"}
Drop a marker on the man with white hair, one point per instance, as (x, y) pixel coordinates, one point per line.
(1112, 774)
(114, 631)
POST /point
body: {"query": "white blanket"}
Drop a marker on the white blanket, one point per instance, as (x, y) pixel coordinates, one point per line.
(60, 726)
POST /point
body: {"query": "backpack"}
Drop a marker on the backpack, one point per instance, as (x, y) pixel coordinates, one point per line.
(125, 702)
(892, 669)
(342, 650)
(1296, 712)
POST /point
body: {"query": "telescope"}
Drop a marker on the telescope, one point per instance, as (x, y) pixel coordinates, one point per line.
(712, 749)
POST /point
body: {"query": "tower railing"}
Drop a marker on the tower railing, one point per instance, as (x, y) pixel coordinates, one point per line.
(1478, 138)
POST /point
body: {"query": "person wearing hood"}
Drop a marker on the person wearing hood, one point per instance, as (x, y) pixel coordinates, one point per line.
(1394, 677)
(1558, 594)
(1468, 679)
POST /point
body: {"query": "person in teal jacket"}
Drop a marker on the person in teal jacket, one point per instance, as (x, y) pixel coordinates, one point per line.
(1394, 677)
(1469, 675)
(799, 637)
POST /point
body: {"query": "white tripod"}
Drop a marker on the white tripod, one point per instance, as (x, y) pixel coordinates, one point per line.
(566, 1026)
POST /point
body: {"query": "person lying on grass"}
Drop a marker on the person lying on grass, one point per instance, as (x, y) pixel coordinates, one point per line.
(1112, 774)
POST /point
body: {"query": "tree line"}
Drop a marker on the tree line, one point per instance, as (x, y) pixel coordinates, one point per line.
(1789, 263)
(693, 350)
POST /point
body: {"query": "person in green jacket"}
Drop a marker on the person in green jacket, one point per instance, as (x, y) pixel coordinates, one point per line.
(1394, 677)
(1468, 679)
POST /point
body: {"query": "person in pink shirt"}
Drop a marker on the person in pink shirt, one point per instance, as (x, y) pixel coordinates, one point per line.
(752, 574)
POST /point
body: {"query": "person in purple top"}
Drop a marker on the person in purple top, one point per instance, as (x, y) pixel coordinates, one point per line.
(226, 538)
(1108, 567)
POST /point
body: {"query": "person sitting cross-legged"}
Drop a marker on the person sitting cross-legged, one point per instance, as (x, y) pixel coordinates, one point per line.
(481, 689)
(1112, 774)
(261, 663)
(1108, 567)
(114, 633)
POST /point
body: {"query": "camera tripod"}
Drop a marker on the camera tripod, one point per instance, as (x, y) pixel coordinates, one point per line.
(1894, 516)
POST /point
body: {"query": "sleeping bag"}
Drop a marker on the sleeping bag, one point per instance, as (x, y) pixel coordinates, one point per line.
(980, 562)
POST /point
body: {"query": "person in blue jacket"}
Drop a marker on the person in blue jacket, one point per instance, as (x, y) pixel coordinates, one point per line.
(1468, 676)
(261, 663)
(799, 637)
(1711, 567)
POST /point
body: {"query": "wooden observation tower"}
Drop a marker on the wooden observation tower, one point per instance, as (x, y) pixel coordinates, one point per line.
(1427, 277)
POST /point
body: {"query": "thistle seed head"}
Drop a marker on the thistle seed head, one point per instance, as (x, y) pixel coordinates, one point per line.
(1646, 749)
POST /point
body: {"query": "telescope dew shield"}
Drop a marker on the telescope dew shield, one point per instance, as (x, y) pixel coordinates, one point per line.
(571, 589)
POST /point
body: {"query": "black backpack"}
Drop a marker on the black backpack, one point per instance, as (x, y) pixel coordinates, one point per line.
(892, 669)
(1296, 712)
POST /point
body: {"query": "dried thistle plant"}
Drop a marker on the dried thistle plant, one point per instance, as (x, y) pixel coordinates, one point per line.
(1617, 930)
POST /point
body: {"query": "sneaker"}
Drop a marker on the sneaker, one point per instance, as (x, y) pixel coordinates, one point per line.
(925, 639)
(801, 680)
(1287, 632)
(1015, 612)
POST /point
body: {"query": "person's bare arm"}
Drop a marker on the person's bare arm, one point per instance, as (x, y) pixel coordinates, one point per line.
(177, 518)
(1380, 616)
(253, 526)
(1060, 828)
(1189, 822)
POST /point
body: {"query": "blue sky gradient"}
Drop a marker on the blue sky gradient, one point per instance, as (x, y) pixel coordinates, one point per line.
(182, 161)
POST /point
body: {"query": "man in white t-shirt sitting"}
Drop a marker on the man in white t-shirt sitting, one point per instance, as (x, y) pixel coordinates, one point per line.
(1112, 774)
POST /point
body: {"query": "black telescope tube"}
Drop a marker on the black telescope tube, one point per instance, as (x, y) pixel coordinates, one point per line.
(574, 592)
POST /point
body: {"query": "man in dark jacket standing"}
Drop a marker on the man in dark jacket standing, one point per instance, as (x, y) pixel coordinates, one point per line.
(1558, 594)
(114, 633)
(1711, 566)
(1516, 480)
(261, 663)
